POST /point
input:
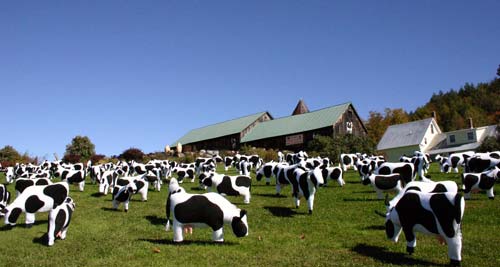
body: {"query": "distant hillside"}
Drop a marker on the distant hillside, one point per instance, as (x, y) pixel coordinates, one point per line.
(480, 102)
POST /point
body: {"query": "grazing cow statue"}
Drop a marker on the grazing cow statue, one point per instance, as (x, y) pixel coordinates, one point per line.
(35, 199)
(4, 197)
(384, 183)
(228, 185)
(348, 160)
(9, 175)
(437, 214)
(406, 170)
(59, 219)
(484, 181)
(22, 183)
(71, 176)
(202, 210)
(332, 173)
(125, 187)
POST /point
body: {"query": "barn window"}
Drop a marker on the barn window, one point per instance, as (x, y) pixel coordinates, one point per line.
(470, 136)
(452, 138)
(349, 115)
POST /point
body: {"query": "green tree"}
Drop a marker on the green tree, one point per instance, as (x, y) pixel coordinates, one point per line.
(132, 154)
(332, 147)
(81, 147)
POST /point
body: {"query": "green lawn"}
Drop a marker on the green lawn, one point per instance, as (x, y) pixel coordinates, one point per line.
(343, 231)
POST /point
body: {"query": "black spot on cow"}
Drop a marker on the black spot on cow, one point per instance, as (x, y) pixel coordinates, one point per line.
(347, 160)
(42, 182)
(14, 215)
(33, 204)
(190, 173)
(335, 175)
(411, 212)
(304, 186)
(207, 181)
(384, 170)
(486, 182)
(243, 181)
(239, 228)
(56, 191)
(445, 212)
(389, 229)
(122, 182)
(120, 194)
(439, 189)
(21, 185)
(268, 171)
(469, 180)
(387, 182)
(454, 161)
(59, 221)
(139, 184)
(225, 187)
(198, 209)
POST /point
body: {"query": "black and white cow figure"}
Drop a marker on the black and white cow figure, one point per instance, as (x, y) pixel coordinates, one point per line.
(333, 173)
(71, 176)
(245, 167)
(406, 170)
(59, 219)
(188, 172)
(4, 197)
(125, 187)
(444, 167)
(107, 181)
(484, 181)
(35, 199)
(266, 170)
(10, 175)
(228, 185)
(305, 183)
(458, 159)
(348, 161)
(203, 210)
(480, 163)
(437, 214)
(384, 183)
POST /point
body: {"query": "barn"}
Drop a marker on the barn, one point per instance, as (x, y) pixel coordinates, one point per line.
(290, 132)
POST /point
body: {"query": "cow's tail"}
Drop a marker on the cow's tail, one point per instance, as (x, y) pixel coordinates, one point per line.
(167, 226)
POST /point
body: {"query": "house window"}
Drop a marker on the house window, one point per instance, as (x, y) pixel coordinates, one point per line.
(470, 136)
(432, 129)
(452, 138)
(425, 141)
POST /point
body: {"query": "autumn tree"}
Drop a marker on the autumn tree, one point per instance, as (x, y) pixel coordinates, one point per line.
(132, 154)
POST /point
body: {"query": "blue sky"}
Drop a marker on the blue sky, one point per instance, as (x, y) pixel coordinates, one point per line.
(144, 73)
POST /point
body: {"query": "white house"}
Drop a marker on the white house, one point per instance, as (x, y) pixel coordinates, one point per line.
(406, 138)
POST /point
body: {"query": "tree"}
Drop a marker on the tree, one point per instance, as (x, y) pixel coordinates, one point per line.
(132, 154)
(81, 147)
(498, 70)
(9, 156)
(332, 147)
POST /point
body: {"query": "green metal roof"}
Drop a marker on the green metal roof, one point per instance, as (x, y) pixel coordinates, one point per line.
(296, 124)
(219, 129)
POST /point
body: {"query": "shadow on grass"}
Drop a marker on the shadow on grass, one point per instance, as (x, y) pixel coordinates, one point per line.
(97, 194)
(363, 192)
(155, 220)
(397, 258)
(197, 188)
(273, 195)
(186, 242)
(361, 199)
(282, 211)
(111, 209)
(353, 182)
(375, 227)
(43, 240)
(22, 225)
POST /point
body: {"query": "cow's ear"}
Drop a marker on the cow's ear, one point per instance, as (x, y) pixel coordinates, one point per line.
(243, 213)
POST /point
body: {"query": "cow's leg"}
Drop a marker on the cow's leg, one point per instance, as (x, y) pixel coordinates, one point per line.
(30, 219)
(268, 180)
(218, 235)
(354, 167)
(63, 233)
(51, 234)
(490, 193)
(278, 188)
(115, 204)
(411, 240)
(178, 233)
(310, 203)
(144, 195)
(455, 249)
(81, 185)
(125, 205)
(246, 199)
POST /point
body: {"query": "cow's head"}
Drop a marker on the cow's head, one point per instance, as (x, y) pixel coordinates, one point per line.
(71, 204)
(173, 186)
(446, 167)
(316, 177)
(9, 175)
(206, 179)
(240, 224)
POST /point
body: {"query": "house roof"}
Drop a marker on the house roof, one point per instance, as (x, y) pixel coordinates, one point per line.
(297, 123)
(301, 108)
(406, 134)
(219, 129)
(442, 147)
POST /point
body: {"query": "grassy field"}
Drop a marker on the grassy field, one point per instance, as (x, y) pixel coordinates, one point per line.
(343, 231)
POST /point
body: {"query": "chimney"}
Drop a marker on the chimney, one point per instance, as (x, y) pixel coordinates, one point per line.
(434, 115)
(471, 126)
